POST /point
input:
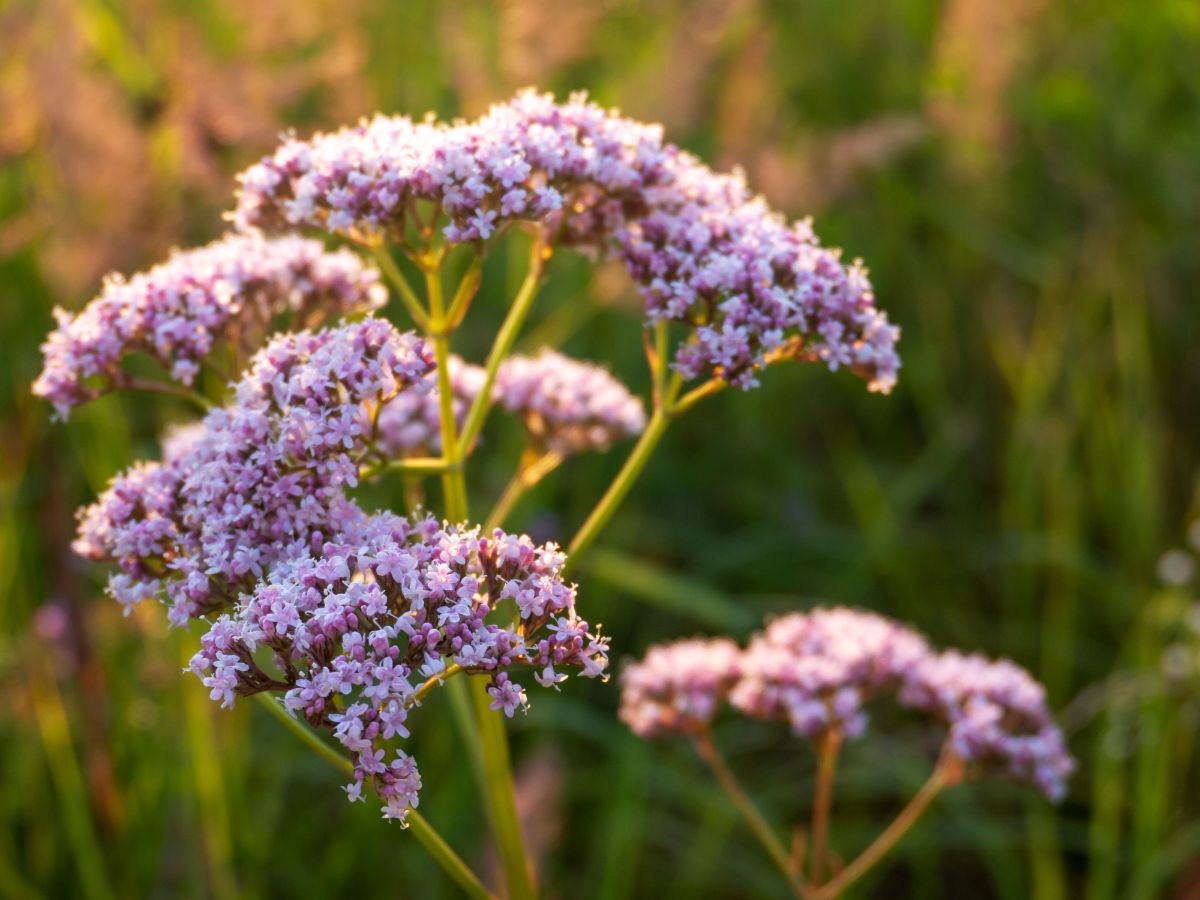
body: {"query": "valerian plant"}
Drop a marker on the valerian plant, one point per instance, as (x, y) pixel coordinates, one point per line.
(344, 619)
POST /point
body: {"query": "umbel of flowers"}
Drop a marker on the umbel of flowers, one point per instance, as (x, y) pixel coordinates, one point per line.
(351, 618)
(817, 672)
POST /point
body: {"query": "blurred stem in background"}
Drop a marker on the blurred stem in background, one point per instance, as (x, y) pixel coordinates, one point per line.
(758, 825)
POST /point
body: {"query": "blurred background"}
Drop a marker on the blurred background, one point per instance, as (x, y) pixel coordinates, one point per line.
(1023, 179)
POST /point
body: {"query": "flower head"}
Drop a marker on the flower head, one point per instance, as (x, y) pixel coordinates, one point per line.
(178, 311)
(356, 627)
(678, 687)
(703, 250)
(997, 716)
(568, 406)
(265, 480)
(815, 670)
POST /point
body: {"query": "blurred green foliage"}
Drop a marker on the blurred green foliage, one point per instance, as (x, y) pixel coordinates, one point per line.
(1024, 180)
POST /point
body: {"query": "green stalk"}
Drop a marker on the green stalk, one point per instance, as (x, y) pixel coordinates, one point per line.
(620, 487)
(501, 791)
(503, 344)
(443, 854)
(407, 295)
(453, 482)
(488, 734)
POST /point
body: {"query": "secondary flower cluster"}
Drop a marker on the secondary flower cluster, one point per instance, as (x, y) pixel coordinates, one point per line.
(816, 670)
(266, 478)
(702, 249)
(360, 630)
(229, 290)
(568, 406)
(678, 687)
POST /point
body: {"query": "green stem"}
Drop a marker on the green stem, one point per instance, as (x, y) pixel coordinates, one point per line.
(503, 344)
(467, 288)
(453, 482)
(712, 756)
(407, 295)
(202, 403)
(488, 734)
(443, 854)
(947, 772)
(501, 791)
(620, 487)
(413, 465)
(526, 478)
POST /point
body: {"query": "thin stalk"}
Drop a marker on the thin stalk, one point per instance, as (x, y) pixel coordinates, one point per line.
(501, 791)
(620, 487)
(526, 478)
(503, 344)
(488, 734)
(129, 383)
(443, 854)
(712, 756)
(430, 683)
(695, 395)
(831, 743)
(947, 772)
(413, 465)
(467, 288)
(453, 483)
(407, 295)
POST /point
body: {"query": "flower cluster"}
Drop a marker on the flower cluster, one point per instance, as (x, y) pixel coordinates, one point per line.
(361, 630)
(701, 247)
(410, 424)
(997, 716)
(678, 687)
(178, 311)
(568, 406)
(264, 481)
(816, 670)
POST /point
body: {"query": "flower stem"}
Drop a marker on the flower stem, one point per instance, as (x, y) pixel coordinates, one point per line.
(130, 383)
(502, 796)
(620, 487)
(443, 854)
(503, 344)
(467, 288)
(453, 482)
(831, 743)
(947, 772)
(412, 465)
(712, 756)
(407, 295)
(527, 476)
(488, 735)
